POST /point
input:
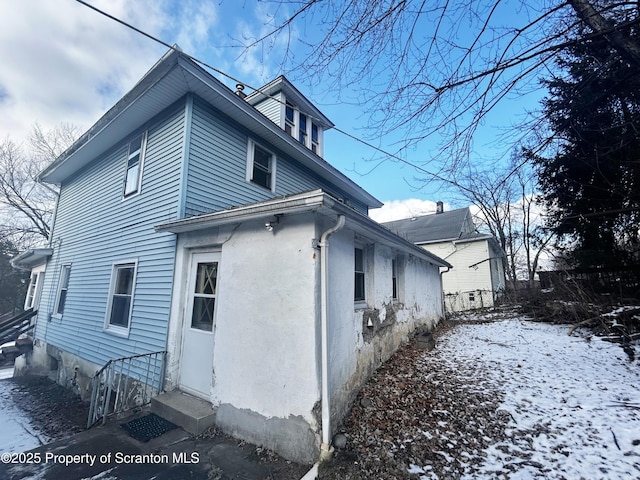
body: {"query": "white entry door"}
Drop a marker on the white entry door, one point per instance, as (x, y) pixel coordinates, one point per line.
(196, 366)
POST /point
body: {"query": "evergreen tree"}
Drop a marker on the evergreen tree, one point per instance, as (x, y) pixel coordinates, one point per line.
(592, 182)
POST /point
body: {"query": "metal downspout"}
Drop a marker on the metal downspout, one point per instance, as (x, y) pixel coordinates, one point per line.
(326, 450)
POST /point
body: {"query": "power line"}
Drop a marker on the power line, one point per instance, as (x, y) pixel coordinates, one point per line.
(204, 64)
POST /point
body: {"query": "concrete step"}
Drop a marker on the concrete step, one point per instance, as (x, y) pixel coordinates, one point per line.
(188, 412)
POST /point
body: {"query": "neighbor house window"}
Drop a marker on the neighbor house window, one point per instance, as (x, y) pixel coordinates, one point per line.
(472, 297)
(135, 160)
(359, 275)
(121, 297)
(63, 287)
(261, 165)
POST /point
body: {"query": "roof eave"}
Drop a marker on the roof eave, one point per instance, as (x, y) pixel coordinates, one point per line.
(31, 258)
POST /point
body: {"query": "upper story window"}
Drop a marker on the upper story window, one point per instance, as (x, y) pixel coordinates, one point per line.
(135, 161)
(261, 166)
(289, 119)
(301, 127)
(63, 287)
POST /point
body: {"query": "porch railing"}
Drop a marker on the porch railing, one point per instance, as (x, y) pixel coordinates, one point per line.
(125, 383)
(11, 327)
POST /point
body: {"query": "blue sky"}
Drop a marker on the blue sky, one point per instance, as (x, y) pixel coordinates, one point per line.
(63, 62)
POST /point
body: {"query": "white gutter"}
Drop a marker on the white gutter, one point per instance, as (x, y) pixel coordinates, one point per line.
(326, 449)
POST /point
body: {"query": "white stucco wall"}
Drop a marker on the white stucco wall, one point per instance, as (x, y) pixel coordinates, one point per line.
(355, 349)
(265, 369)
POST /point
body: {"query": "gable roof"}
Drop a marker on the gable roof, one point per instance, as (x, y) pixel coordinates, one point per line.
(433, 228)
(281, 84)
(170, 79)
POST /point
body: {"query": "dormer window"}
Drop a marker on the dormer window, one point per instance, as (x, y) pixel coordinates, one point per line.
(289, 121)
(302, 129)
(315, 141)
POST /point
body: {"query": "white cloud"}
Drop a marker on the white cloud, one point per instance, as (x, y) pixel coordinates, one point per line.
(63, 62)
(399, 209)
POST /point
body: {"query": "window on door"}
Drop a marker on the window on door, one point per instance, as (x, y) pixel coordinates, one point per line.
(204, 296)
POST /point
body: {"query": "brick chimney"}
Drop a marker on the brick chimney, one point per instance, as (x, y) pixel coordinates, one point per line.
(439, 207)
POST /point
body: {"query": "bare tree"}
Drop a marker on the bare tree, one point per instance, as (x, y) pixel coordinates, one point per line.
(436, 69)
(509, 209)
(26, 206)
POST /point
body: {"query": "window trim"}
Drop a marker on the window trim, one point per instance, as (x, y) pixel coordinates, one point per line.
(38, 273)
(115, 267)
(63, 285)
(141, 157)
(394, 279)
(251, 146)
(360, 301)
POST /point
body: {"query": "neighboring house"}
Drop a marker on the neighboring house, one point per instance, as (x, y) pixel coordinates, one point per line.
(477, 278)
(196, 220)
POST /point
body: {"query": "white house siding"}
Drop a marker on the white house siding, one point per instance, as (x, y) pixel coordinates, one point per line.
(464, 279)
(217, 168)
(356, 350)
(94, 228)
(265, 379)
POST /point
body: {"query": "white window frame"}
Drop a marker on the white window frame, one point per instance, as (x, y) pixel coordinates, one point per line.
(140, 165)
(360, 302)
(63, 286)
(251, 146)
(115, 267)
(294, 127)
(32, 299)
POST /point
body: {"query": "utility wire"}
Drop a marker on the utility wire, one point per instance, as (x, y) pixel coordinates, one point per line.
(204, 64)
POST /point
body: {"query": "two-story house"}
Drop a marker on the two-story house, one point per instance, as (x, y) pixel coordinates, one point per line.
(204, 222)
(477, 277)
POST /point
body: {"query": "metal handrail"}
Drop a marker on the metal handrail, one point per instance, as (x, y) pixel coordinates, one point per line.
(124, 383)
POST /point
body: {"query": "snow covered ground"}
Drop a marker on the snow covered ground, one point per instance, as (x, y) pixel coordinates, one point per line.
(574, 400)
(499, 397)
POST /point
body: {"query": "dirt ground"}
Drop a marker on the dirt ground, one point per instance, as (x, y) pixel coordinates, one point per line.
(58, 413)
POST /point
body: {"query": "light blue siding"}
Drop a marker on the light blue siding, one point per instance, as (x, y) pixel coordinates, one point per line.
(217, 168)
(272, 108)
(96, 228)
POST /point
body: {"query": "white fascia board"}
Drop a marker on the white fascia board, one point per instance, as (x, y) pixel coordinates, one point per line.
(31, 258)
(314, 201)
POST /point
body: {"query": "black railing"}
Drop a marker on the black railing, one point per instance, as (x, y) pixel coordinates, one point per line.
(11, 328)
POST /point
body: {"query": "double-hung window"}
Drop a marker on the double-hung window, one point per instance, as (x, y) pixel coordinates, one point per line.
(261, 166)
(359, 290)
(135, 162)
(121, 291)
(394, 279)
(33, 291)
(63, 287)
(289, 119)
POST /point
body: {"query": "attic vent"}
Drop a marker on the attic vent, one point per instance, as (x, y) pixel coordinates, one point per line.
(240, 90)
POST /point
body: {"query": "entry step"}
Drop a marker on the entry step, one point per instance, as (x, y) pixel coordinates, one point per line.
(190, 413)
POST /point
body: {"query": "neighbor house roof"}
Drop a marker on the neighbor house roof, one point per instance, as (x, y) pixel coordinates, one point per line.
(311, 201)
(436, 227)
(170, 79)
